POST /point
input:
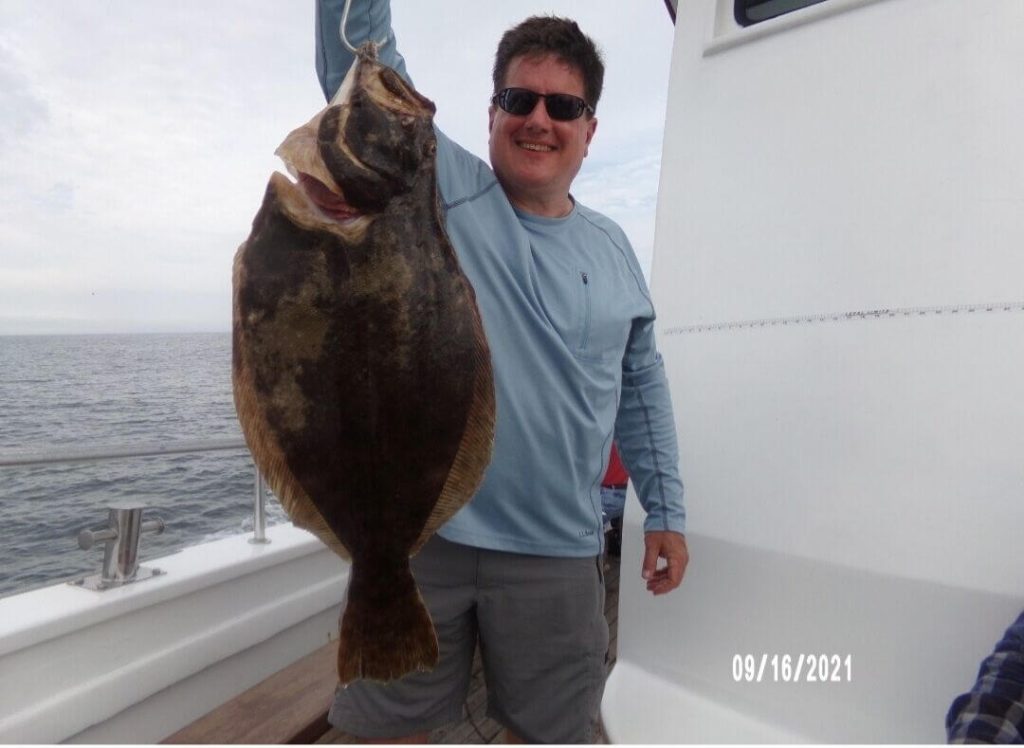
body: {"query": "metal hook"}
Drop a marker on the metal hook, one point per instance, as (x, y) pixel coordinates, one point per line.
(344, 22)
(341, 30)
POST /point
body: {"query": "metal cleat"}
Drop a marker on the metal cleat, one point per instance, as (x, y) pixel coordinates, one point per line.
(121, 549)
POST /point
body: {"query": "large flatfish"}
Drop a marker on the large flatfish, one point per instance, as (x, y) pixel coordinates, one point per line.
(362, 377)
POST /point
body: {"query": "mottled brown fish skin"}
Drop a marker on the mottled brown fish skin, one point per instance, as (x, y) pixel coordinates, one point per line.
(392, 160)
(362, 376)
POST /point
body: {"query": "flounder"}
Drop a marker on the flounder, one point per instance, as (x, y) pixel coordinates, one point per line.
(362, 376)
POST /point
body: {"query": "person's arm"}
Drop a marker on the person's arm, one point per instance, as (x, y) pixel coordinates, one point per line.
(993, 710)
(646, 434)
(367, 20)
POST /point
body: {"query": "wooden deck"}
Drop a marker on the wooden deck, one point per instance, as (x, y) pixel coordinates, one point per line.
(477, 727)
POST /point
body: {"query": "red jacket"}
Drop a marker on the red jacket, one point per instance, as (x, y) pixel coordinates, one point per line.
(616, 475)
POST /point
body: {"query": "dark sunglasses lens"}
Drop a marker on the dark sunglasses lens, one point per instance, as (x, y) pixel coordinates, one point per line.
(518, 101)
(563, 106)
(521, 101)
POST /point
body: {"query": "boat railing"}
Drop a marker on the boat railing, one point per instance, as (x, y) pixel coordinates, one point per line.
(120, 564)
(63, 455)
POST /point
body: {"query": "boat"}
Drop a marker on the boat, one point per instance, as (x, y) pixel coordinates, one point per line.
(837, 275)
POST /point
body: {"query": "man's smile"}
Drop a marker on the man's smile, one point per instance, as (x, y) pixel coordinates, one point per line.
(535, 146)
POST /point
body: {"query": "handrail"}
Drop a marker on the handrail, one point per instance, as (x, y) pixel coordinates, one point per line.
(22, 458)
(59, 456)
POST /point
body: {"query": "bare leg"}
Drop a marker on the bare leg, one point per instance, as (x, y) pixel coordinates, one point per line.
(512, 739)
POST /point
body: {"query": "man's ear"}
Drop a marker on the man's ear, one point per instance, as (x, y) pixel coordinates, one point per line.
(591, 129)
(491, 111)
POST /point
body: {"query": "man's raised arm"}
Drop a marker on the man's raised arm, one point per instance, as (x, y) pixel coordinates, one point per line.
(367, 20)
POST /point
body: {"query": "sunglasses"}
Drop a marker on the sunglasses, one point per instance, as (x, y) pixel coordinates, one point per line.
(560, 106)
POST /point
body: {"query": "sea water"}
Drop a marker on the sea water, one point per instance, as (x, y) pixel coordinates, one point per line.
(88, 391)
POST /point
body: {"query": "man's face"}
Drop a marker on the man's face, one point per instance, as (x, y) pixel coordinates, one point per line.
(535, 157)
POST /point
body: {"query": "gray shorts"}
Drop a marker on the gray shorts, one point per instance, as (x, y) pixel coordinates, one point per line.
(543, 640)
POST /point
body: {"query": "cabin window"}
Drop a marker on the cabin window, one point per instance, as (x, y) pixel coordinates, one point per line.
(754, 11)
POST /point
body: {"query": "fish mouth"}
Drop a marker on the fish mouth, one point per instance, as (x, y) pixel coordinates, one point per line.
(312, 191)
(361, 152)
(329, 202)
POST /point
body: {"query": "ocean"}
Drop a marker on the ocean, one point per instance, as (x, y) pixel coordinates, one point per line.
(88, 391)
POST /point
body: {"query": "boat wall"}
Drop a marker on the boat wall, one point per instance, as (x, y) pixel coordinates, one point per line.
(837, 273)
(135, 664)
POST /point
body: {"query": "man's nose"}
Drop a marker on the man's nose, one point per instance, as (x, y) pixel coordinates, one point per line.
(539, 118)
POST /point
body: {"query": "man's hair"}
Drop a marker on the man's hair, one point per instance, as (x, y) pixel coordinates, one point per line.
(548, 35)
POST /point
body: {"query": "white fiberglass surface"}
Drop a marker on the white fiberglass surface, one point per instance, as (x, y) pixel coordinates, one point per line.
(836, 275)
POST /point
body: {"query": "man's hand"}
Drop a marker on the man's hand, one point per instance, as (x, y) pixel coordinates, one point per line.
(670, 546)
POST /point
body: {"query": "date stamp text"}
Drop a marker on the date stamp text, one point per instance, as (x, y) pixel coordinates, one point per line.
(787, 668)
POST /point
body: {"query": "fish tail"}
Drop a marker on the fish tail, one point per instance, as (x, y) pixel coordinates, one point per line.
(386, 631)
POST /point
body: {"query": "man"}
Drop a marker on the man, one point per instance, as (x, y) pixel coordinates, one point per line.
(570, 325)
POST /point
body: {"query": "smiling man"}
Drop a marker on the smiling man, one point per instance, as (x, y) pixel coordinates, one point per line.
(536, 155)
(570, 325)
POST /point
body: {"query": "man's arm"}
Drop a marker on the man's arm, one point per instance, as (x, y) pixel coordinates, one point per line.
(646, 434)
(993, 710)
(367, 20)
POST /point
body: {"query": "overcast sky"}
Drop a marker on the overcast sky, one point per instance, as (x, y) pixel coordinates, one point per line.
(137, 136)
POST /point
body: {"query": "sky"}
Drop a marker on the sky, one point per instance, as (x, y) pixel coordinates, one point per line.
(137, 137)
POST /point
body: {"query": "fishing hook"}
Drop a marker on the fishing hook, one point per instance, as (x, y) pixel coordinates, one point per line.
(344, 23)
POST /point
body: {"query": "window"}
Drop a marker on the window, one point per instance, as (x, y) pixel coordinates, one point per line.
(754, 11)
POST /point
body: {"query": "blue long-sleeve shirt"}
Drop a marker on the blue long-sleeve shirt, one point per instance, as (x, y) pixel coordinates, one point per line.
(570, 325)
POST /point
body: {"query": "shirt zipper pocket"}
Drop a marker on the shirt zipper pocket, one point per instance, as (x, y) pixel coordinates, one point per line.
(585, 333)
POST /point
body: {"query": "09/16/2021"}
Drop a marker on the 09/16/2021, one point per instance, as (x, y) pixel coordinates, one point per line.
(786, 668)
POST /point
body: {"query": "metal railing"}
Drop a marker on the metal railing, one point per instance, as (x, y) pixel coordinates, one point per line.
(62, 456)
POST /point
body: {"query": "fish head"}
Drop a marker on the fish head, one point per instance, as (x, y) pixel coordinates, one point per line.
(371, 144)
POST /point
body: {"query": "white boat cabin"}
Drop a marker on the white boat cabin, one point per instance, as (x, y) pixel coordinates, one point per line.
(838, 274)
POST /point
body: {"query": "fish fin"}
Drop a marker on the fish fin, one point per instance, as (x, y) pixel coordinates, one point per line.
(302, 511)
(297, 505)
(386, 631)
(267, 453)
(474, 453)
